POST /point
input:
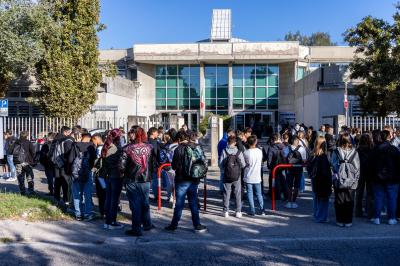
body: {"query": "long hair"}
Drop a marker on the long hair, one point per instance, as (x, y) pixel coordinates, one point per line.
(140, 135)
(112, 137)
(319, 146)
(345, 141)
(366, 141)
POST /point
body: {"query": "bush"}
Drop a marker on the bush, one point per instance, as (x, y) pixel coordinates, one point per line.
(204, 124)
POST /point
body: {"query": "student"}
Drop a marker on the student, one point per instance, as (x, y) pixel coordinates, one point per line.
(134, 165)
(23, 152)
(185, 184)
(47, 164)
(99, 174)
(84, 154)
(330, 141)
(385, 163)
(321, 132)
(222, 144)
(152, 135)
(110, 155)
(276, 154)
(296, 155)
(346, 169)
(170, 172)
(231, 164)
(9, 141)
(59, 153)
(321, 179)
(252, 175)
(364, 183)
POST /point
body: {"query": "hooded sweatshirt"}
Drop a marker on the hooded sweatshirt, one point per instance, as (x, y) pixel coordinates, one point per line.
(228, 151)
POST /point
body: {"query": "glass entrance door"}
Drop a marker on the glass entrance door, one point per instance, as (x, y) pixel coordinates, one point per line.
(261, 123)
(192, 120)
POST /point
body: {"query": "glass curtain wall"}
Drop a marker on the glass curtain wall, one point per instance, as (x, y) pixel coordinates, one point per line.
(216, 88)
(177, 87)
(255, 87)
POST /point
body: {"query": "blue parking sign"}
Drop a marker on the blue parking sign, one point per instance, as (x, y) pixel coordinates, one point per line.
(3, 107)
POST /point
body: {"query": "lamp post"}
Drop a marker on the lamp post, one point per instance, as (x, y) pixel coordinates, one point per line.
(136, 85)
(346, 79)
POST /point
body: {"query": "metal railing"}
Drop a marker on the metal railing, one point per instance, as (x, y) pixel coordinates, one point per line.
(368, 123)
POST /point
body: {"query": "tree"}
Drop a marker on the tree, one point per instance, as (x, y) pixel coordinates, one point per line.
(21, 24)
(377, 62)
(315, 39)
(69, 71)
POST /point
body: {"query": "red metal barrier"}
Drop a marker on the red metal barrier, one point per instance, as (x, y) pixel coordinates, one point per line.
(276, 168)
(159, 186)
(159, 182)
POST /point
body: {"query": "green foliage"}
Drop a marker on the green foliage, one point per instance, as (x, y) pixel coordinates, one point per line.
(109, 69)
(21, 24)
(69, 72)
(15, 206)
(315, 39)
(377, 63)
(204, 124)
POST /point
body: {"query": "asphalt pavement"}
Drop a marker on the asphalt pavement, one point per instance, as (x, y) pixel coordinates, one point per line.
(283, 237)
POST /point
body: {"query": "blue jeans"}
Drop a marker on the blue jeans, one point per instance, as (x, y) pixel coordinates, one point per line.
(390, 191)
(113, 191)
(82, 195)
(257, 188)
(182, 189)
(164, 184)
(138, 196)
(10, 161)
(321, 208)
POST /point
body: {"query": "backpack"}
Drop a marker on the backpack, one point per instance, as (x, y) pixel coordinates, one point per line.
(348, 174)
(81, 167)
(232, 167)
(56, 153)
(195, 165)
(294, 156)
(18, 153)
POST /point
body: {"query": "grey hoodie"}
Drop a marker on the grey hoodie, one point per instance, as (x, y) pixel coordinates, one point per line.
(230, 150)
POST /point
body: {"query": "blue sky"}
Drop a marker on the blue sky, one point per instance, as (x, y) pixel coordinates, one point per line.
(186, 21)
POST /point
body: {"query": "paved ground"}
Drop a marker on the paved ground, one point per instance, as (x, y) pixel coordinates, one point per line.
(281, 238)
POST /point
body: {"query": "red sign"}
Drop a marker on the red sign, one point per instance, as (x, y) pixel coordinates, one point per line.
(346, 104)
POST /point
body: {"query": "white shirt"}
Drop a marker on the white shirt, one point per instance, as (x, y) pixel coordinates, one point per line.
(252, 173)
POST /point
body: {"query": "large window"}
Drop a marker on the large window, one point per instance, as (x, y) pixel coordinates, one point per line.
(216, 88)
(255, 87)
(177, 87)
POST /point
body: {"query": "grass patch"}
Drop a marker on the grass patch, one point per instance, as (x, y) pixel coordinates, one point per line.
(30, 208)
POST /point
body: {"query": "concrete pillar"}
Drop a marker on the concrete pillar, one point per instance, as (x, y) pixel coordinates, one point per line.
(230, 89)
(202, 92)
(214, 130)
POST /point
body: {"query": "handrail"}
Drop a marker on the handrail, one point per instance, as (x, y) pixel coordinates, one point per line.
(159, 182)
(276, 168)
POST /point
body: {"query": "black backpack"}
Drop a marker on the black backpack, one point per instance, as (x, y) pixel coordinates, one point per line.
(18, 152)
(294, 156)
(232, 167)
(81, 167)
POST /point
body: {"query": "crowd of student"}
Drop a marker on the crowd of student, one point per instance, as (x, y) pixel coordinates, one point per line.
(362, 171)
(74, 160)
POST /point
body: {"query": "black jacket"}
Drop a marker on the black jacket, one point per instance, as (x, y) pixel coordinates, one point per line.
(275, 154)
(29, 150)
(155, 155)
(83, 147)
(321, 176)
(68, 144)
(364, 153)
(385, 161)
(330, 145)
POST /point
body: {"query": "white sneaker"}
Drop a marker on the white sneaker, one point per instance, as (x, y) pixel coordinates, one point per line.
(392, 221)
(105, 226)
(294, 205)
(11, 179)
(238, 215)
(376, 221)
(288, 205)
(115, 226)
(348, 225)
(226, 214)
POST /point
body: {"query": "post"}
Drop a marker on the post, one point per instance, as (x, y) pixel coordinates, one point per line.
(346, 104)
(214, 140)
(1, 136)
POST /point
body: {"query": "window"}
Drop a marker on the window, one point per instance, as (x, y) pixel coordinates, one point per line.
(177, 87)
(255, 86)
(216, 88)
(301, 72)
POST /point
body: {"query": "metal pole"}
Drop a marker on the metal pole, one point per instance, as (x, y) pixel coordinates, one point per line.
(346, 108)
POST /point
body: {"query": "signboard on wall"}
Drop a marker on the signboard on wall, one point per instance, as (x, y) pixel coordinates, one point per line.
(287, 118)
(104, 108)
(3, 107)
